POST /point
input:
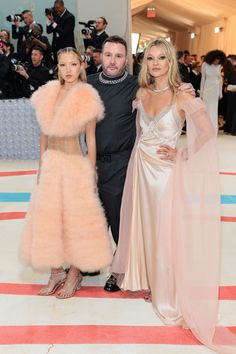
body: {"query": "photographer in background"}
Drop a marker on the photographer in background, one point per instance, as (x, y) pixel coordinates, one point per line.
(35, 75)
(61, 23)
(95, 63)
(97, 36)
(21, 33)
(97, 60)
(5, 35)
(4, 71)
(37, 39)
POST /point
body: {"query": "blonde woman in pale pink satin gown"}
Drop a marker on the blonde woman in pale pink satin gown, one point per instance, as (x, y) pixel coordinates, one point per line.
(169, 239)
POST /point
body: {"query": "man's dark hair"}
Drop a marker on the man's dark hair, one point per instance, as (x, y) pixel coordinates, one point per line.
(140, 56)
(179, 54)
(104, 20)
(97, 50)
(60, 2)
(116, 39)
(39, 49)
(231, 56)
(25, 12)
(186, 52)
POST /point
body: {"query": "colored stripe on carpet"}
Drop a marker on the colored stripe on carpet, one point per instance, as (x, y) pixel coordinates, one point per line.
(97, 334)
(21, 215)
(14, 197)
(228, 199)
(12, 215)
(225, 293)
(17, 173)
(33, 172)
(25, 197)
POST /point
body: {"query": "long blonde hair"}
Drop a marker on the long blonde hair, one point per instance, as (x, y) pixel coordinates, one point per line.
(82, 74)
(145, 79)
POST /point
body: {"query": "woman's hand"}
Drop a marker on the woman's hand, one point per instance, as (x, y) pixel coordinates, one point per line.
(167, 153)
(187, 87)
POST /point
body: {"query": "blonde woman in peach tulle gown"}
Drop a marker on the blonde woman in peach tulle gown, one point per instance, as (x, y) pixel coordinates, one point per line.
(169, 238)
(66, 225)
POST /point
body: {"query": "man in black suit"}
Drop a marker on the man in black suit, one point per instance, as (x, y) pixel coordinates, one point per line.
(96, 66)
(35, 75)
(61, 23)
(183, 69)
(22, 33)
(4, 71)
(98, 36)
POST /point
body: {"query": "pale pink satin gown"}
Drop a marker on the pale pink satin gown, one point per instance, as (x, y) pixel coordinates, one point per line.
(146, 268)
(169, 240)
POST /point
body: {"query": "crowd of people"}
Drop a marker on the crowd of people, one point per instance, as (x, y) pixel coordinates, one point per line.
(20, 73)
(144, 183)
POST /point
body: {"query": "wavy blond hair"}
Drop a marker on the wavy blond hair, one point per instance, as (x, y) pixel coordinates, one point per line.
(82, 74)
(145, 79)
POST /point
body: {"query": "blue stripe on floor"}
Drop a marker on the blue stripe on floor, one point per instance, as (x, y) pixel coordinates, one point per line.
(228, 199)
(25, 197)
(14, 197)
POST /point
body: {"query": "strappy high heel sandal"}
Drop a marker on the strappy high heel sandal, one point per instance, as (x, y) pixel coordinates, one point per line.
(55, 281)
(69, 289)
(148, 297)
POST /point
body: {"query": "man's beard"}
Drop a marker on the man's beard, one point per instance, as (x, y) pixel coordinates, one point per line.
(118, 73)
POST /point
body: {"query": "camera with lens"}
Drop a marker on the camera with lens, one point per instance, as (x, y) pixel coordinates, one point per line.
(16, 65)
(88, 27)
(50, 11)
(87, 59)
(29, 36)
(29, 39)
(14, 18)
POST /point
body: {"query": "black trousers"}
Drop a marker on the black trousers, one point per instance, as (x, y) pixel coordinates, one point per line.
(111, 170)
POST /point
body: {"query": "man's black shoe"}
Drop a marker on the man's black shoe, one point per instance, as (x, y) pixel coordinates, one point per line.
(90, 274)
(111, 285)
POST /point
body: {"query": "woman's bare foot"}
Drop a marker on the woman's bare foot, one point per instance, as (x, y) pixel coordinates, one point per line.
(57, 278)
(72, 284)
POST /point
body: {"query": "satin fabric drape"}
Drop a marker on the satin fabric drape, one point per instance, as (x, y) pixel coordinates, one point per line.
(170, 238)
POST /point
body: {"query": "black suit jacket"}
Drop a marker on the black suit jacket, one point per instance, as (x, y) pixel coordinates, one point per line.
(4, 76)
(63, 34)
(38, 76)
(184, 72)
(96, 40)
(20, 33)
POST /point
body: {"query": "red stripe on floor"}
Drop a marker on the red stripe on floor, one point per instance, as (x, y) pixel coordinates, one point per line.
(226, 292)
(33, 172)
(21, 215)
(92, 334)
(228, 218)
(12, 215)
(17, 173)
(228, 173)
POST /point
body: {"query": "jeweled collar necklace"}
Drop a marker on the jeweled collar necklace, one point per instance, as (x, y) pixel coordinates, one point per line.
(111, 81)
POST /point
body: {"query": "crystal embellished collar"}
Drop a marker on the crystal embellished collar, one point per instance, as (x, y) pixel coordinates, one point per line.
(105, 80)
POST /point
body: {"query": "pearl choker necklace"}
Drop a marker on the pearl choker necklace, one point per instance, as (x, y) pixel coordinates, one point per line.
(159, 90)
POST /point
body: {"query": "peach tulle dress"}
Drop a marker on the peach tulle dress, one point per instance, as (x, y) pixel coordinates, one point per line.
(65, 223)
(170, 223)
